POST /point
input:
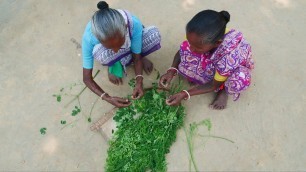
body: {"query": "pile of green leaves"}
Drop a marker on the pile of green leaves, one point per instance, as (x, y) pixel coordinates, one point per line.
(145, 132)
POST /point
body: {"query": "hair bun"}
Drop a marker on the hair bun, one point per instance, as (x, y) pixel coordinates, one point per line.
(102, 5)
(226, 16)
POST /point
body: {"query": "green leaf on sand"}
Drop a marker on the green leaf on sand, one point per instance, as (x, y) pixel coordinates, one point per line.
(43, 131)
(58, 98)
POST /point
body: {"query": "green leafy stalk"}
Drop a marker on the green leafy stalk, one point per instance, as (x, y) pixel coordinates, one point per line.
(189, 138)
(69, 124)
(192, 132)
(92, 107)
(79, 94)
(216, 137)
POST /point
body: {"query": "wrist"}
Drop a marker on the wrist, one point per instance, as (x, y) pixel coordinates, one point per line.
(139, 82)
(105, 97)
(186, 94)
(139, 79)
(173, 71)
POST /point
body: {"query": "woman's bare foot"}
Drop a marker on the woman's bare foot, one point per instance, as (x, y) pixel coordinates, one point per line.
(147, 65)
(114, 79)
(220, 101)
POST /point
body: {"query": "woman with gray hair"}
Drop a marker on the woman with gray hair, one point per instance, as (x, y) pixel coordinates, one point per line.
(116, 38)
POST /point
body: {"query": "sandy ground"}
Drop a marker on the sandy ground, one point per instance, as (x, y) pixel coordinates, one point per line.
(39, 55)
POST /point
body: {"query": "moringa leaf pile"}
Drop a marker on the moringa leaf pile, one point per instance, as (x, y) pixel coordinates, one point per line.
(145, 132)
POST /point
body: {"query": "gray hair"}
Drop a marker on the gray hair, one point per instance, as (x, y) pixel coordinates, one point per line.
(107, 23)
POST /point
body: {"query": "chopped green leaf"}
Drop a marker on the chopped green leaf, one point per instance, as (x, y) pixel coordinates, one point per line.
(58, 98)
(63, 122)
(145, 132)
(89, 119)
(43, 131)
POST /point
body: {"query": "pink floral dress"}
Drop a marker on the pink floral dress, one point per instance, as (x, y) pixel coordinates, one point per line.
(232, 59)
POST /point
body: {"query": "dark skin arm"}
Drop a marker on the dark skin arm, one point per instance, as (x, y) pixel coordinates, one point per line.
(176, 99)
(94, 87)
(167, 77)
(138, 66)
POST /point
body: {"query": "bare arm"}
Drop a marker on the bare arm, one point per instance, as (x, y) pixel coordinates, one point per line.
(176, 60)
(206, 88)
(90, 83)
(167, 77)
(138, 66)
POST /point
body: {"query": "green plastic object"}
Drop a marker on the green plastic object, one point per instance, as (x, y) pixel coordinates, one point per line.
(116, 69)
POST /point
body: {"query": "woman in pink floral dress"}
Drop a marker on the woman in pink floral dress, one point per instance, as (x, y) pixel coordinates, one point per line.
(214, 57)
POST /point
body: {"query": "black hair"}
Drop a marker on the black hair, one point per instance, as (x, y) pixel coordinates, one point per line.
(209, 24)
(102, 5)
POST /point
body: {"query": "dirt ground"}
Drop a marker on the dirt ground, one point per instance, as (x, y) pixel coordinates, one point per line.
(40, 54)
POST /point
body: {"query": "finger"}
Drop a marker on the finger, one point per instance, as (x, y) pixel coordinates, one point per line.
(113, 81)
(124, 101)
(140, 95)
(175, 104)
(134, 95)
(116, 81)
(124, 104)
(171, 97)
(127, 104)
(120, 99)
(169, 101)
(215, 107)
(164, 83)
(150, 68)
(161, 83)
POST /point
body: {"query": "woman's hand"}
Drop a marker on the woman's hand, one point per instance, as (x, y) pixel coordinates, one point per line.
(166, 79)
(114, 79)
(175, 100)
(138, 91)
(117, 101)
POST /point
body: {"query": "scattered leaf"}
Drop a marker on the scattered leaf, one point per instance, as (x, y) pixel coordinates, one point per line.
(158, 75)
(43, 131)
(59, 98)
